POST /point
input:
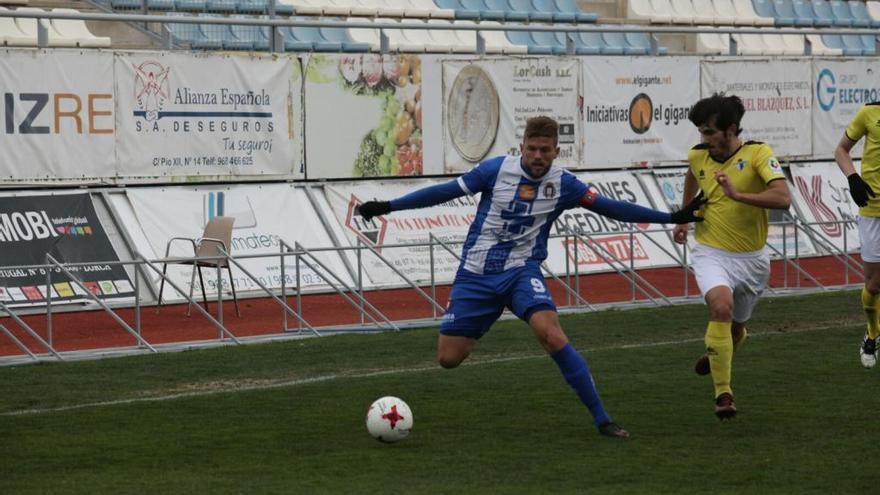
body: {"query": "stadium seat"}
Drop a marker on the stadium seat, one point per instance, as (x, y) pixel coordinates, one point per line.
(749, 44)
(786, 15)
(11, 35)
(435, 11)
(713, 43)
(28, 26)
(854, 43)
(775, 45)
(873, 8)
(682, 11)
(544, 40)
(160, 5)
(497, 42)
(550, 6)
(639, 9)
(127, 4)
(847, 49)
(190, 5)
(342, 36)
(527, 6)
(258, 36)
(457, 40)
(220, 6)
(822, 10)
(423, 37)
(370, 36)
(793, 44)
(305, 7)
(841, 13)
(764, 8)
(804, 9)
(818, 47)
(643, 41)
(77, 30)
(613, 44)
(510, 14)
(580, 15)
(727, 14)
(860, 11)
(869, 41)
(746, 13)
(662, 11)
(704, 12)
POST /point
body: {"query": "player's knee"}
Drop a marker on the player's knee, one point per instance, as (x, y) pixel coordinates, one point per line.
(449, 362)
(721, 312)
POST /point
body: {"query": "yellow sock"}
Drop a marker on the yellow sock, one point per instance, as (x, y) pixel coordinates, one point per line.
(870, 303)
(719, 347)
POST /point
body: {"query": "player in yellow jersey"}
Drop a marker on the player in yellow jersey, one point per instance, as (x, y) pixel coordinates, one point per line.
(732, 266)
(866, 124)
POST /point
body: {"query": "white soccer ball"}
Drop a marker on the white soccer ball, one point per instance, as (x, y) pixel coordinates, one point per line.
(389, 419)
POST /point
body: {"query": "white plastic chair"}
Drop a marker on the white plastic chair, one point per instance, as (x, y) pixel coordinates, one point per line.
(28, 26)
(775, 45)
(661, 11)
(793, 43)
(364, 35)
(305, 7)
(726, 13)
(11, 35)
(683, 12)
(421, 37)
(435, 12)
(639, 9)
(704, 13)
(77, 30)
(749, 44)
(713, 43)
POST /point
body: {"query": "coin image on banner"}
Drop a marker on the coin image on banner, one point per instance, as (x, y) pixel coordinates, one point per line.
(641, 111)
(472, 113)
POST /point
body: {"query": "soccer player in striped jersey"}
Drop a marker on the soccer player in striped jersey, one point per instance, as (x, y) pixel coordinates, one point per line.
(866, 124)
(520, 198)
(740, 180)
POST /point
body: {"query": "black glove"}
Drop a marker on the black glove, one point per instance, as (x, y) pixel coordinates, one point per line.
(372, 209)
(686, 214)
(859, 189)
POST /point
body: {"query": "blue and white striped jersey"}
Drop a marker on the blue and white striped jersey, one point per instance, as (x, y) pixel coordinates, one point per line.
(515, 213)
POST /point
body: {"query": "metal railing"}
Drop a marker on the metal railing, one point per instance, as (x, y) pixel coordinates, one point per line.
(372, 318)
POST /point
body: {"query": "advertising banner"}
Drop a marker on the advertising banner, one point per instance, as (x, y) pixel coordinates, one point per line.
(364, 115)
(604, 239)
(842, 87)
(448, 222)
(821, 196)
(777, 95)
(487, 102)
(635, 110)
(66, 227)
(181, 115)
(264, 216)
(58, 113)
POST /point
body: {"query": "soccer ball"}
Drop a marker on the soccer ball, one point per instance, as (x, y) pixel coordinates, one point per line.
(389, 419)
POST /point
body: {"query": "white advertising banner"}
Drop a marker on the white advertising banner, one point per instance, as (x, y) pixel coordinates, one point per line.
(448, 222)
(264, 216)
(182, 115)
(364, 115)
(604, 239)
(777, 95)
(671, 185)
(635, 110)
(58, 115)
(842, 87)
(488, 101)
(821, 196)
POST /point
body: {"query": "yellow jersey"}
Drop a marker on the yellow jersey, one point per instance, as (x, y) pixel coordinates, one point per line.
(867, 123)
(731, 225)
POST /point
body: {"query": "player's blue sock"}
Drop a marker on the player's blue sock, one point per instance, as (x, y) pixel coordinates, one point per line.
(577, 374)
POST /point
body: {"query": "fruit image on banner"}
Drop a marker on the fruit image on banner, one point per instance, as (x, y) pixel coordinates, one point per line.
(367, 121)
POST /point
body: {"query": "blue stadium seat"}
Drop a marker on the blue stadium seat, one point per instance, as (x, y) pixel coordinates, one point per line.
(613, 44)
(642, 41)
(785, 10)
(835, 41)
(483, 10)
(523, 38)
(619, 40)
(221, 6)
(340, 35)
(550, 6)
(860, 11)
(580, 16)
(190, 5)
(252, 6)
(869, 41)
(232, 42)
(804, 9)
(590, 43)
(510, 13)
(160, 4)
(460, 11)
(580, 47)
(764, 8)
(195, 35)
(549, 39)
(841, 13)
(822, 9)
(258, 36)
(534, 15)
(126, 4)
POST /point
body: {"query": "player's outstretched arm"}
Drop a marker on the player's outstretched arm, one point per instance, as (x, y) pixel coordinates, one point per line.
(629, 212)
(859, 190)
(422, 198)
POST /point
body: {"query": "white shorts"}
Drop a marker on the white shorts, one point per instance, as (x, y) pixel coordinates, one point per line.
(869, 236)
(746, 274)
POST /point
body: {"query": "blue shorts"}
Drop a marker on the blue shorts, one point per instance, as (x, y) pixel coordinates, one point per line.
(478, 300)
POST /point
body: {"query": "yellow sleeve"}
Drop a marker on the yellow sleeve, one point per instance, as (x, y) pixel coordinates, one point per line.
(767, 165)
(856, 129)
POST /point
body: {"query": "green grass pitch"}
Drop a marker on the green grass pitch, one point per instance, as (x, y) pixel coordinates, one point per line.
(288, 417)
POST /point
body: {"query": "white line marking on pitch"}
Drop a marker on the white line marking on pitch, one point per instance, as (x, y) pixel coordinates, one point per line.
(392, 371)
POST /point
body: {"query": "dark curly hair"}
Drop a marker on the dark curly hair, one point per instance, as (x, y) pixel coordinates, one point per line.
(725, 110)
